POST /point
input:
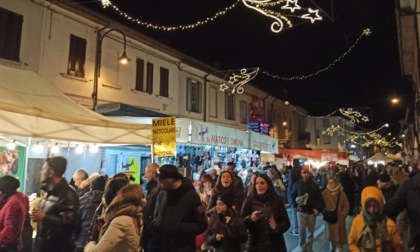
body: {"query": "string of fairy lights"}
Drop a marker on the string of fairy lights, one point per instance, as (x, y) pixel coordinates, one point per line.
(231, 79)
(276, 10)
(366, 32)
(235, 80)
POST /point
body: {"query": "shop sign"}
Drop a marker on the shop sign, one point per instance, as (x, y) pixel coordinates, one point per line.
(164, 137)
(211, 134)
(329, 157)
(263, 143)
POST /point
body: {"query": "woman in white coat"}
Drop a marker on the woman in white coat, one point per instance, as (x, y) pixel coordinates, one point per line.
(123, 226)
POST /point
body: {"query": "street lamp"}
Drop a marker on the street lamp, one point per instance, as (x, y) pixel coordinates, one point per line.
(123, 59)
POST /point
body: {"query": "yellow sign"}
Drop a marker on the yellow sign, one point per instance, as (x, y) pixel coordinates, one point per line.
(164, 137)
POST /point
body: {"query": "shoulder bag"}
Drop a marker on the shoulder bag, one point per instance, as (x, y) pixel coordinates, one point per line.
(332, 216)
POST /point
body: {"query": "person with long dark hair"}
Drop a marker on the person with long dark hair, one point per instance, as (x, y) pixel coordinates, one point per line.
(265, 217)
(225, 183)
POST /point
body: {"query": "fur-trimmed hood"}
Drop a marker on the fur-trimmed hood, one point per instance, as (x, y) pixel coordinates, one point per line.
(86, 183)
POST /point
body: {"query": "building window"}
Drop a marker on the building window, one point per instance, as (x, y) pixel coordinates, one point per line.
(10, 34)
(194, 96)
(77, 56)
(213, 102)
(243, 111)
(144, 83)
(229, 106)
(164, 82)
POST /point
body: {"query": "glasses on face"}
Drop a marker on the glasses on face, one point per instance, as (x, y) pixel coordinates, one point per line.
(305, 172)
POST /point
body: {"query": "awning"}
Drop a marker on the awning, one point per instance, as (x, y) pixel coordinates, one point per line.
(31, 106)
(314, 154)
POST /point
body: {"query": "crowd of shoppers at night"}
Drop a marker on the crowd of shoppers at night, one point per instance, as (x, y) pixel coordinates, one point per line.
(229, 212)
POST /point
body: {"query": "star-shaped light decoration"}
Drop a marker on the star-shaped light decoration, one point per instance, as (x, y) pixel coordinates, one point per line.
(367, 32)
(106, 3)
(291, 5)
(353, 115)
(237, 80)
(330, 130)
(312, 15)
(223, 87)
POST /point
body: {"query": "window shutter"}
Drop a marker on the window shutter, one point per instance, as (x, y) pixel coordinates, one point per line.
(139, 74)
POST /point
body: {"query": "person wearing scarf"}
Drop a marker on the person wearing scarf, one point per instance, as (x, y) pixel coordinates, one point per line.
(371, 229)
(336, 232)
(123, 223)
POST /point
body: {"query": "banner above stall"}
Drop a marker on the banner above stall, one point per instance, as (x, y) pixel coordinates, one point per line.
(212, 134)
(264, 143)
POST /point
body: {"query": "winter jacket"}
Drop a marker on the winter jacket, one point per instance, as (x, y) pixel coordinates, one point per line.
(408, 197)
(359, 224)
(56, 231)
(88, 204)
(234, 232)
(122, 229)
(261, 238)
(178, 218)
(315, 200)
(336, 232)
(12, 218)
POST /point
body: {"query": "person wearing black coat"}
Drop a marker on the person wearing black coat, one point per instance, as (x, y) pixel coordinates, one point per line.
(88, 204)
(226, 230)
(179, 215)
(348, 187)
(308, 201)
(265, 217)
(293, 177)
(408, 197)
(58, 214)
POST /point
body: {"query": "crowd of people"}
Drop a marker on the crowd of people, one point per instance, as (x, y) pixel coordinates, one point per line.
(226, 213)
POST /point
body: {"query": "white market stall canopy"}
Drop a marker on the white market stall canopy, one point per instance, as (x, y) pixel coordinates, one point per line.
(31, 106)
(379, 157)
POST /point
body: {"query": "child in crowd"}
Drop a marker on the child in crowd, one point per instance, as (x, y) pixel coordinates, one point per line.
(226, 230)
(371, 229)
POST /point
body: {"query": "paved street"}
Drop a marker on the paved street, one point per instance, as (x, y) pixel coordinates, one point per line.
(320, 243)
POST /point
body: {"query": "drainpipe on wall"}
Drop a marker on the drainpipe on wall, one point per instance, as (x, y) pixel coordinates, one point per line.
(205, 98)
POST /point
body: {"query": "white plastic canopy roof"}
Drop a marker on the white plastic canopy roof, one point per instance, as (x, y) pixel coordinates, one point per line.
(31, 106)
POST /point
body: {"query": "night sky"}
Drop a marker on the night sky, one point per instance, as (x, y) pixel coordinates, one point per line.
(364, 79)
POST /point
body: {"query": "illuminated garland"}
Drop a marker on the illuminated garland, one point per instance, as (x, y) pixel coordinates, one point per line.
(366, 32)
(353, 115)
(262, 6)
(372, 139)
(108, 3)
(236, 81)
(355, 135)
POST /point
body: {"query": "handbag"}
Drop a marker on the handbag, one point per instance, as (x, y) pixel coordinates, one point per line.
(332, 216)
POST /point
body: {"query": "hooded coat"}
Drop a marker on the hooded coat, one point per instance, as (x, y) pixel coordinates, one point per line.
(359, 224)
(12, 218)
(123, 222)
(336, 232)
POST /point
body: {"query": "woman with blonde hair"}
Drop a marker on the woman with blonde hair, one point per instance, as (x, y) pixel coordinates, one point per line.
(335, 200)
(205, 189)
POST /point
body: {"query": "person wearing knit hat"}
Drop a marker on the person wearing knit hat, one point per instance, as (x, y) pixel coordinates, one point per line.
(371, 230)
(226, 230)
(57, 216)
(387, 186)
(14, 209)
